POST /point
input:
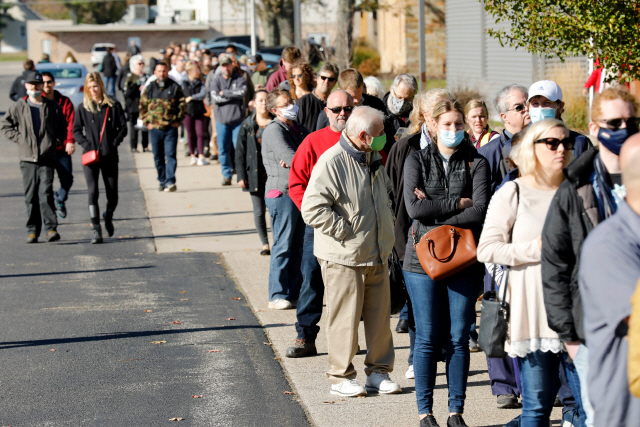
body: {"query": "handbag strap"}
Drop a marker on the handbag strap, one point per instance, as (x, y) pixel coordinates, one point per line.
(104, 125)
(432, 246)
(506, 276)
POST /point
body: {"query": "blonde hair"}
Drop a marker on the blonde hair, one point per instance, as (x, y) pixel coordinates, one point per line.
(424, 103)
(87, 102)
(476, 103)
(526, 155)
(191, 65)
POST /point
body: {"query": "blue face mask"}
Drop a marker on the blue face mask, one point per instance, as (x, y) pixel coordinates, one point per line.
(538, 114)
(613, 139)
(451, 139)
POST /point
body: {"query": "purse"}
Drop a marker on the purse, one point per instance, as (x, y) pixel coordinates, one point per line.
(91, 157)
(494, 315)
(457, 243)
(397, 287)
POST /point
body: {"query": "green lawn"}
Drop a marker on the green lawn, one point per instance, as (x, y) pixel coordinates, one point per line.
(14, 56)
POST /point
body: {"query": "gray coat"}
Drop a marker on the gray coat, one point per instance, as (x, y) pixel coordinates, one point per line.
(228, 108)
(18, 127)
(279, 142)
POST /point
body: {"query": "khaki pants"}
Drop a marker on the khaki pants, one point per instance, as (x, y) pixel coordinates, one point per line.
(352, 292)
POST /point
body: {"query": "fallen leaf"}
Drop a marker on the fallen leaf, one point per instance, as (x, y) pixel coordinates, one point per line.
(341, 400)
(361, 397)
(289, 392)
(148, 311)
(183, 292)
(158, 342)
(232, 318)
(214, 351)
(267, 343)
(197, 396)
(187, 250)
(53, 349)
(277, 358)
(177, 322)
(235, 298)
(176, 419)
(329, 401)
(189, 206)
(184, 299)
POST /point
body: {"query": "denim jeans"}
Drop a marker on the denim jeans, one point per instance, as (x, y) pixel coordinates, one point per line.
(407, 314)
(441, 307)
(285, 277)
(227, 138)
(311, 292)
(581, 363)
(64, 168)
(164, 144)
(540, 384)
(569, 392)
(110, 86)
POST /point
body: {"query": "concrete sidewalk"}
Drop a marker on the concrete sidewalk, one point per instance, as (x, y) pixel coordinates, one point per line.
(204, 216)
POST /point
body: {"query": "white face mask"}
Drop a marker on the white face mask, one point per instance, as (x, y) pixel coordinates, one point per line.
(290, 112)
(34, 93)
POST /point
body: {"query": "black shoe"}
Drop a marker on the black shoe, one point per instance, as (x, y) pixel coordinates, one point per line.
(226, 181)
(473, 346)
(108, 223)
(507, 401)
(455, 420)
(97, 234)
(32, 238)
(265, 252)
(53, 236)
(429, 421)
(302, 348)
(206, 153)
(214, 157)
(61, 210)
(403, 326)
(161, 188)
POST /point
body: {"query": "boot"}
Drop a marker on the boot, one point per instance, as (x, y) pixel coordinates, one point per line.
(108, 222)
(97, 234)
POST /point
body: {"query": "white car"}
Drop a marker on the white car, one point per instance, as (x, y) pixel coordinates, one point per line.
(69, 79)
(98, 52)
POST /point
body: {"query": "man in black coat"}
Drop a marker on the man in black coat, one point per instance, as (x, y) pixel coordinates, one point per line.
(312, 104)
(17, 88)
(110, 72)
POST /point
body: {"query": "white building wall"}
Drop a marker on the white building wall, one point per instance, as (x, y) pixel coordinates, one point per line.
(15, 33)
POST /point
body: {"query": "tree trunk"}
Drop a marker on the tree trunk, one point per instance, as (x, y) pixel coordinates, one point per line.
(269, 24)
(285, 23)
(344, 40)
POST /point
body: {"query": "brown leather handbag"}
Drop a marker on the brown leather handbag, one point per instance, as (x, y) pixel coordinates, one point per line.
(445, 250)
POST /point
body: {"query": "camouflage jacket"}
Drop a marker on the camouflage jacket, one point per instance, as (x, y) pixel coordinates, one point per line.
(161, 107)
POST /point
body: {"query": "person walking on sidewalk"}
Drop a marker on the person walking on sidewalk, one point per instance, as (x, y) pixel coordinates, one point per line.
(226, 92)
(194, 121)
(162, 109)
(252, 176)
(38, 126)
(100, 125)
(133, 84)
(280, 141)
(309, 310)
(348, 203)
(64, 167)
(18, 90)
(110, 71)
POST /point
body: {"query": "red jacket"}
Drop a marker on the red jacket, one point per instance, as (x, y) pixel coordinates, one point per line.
(67, 109)
(277, 77)
(306, 157)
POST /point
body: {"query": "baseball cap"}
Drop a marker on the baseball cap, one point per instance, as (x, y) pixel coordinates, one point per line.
(254, 60)
(162, 51)
(224, 60)
(33, 77)
(546, 88)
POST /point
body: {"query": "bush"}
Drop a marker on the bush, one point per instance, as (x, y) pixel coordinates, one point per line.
(366, 56)
(370, 66)
(570, 76)
(464, 94)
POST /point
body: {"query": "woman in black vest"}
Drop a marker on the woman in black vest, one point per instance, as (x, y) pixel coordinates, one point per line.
(132, 88)
(100, 125)
(447, 183)
(195, 121)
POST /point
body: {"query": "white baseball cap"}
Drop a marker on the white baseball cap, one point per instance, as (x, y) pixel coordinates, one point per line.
(546, 88)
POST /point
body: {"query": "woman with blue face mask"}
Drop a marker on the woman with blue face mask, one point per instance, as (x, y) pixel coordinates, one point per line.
(447, 183)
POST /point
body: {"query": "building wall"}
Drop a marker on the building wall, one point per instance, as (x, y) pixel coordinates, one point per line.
(15, 33)
(391, 37)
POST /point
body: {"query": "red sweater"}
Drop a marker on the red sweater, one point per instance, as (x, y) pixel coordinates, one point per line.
(67, 109)
(306, 157)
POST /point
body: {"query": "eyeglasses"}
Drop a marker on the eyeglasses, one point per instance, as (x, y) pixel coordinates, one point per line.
(331, 79)
(614, 124)
(336, 110)
(518, 108)
(297, 76)
(47, 82)
(554, 143)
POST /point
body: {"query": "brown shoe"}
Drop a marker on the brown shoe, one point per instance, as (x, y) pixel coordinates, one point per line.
(302, 348)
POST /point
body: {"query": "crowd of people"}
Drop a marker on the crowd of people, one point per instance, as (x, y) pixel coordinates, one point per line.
(351, 175)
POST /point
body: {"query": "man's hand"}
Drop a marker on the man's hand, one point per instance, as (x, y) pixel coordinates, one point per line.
(283, 164)
(70, 149)
(572, 348)
(420, 194)
(220, 93)
(188, 99)
(242, 183)
(465, 203)
(149, 126)
(175, 124)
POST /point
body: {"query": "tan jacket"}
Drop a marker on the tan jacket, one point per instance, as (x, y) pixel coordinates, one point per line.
(633, 368)
(348, 203)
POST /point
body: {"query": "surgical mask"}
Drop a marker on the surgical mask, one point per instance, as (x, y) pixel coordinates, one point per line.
(400, 105)
(378, 142)
(613, 139)
(538, 114)
(290, 112)
(34, 93)
(450, 138)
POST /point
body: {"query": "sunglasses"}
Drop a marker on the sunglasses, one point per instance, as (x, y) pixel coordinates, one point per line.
(297, 76)
(553, 143)
(47, 82)
(518, 108)
(614, 124)
(336, 110)
(331, 79)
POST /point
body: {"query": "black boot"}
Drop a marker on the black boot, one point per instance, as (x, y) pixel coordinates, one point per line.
(97, 234)
(108, 222)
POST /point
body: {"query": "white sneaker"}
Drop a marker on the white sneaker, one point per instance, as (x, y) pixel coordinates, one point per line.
(348, 388)
(194, 160)
(170, 188)
(202, 162)
(280, 304)
(380, 382)
(409, 374)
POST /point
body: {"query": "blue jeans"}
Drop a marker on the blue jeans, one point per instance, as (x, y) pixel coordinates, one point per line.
(110, 86)
(441, 307)
(285, 277)
(227, 139)
(164, 144)
(540, 384)
(64, 168)
(407, 314)
(581, 363)
(311, 292)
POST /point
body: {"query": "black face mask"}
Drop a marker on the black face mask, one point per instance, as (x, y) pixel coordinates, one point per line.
(613, 139)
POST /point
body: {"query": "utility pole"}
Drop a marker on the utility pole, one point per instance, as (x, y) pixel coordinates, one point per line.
(297, 24)
(254, 48)
(421, 45)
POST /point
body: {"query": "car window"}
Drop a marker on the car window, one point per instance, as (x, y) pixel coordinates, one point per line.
(100, 49)
(64, 73)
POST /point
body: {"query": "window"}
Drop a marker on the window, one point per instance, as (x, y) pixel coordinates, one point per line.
(23, 31)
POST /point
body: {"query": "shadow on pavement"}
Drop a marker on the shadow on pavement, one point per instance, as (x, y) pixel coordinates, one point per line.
(98, 270)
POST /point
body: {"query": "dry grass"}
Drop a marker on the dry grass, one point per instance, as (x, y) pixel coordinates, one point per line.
(570, 77)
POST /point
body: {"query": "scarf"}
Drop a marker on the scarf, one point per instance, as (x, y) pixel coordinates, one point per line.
(608, 198)
(425, 138)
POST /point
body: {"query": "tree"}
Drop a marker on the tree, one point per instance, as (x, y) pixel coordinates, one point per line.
(344, 39)
(608, 30)
(98, 12)
(4, 16)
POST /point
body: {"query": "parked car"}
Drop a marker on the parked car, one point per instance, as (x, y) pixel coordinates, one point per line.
(69, 79)
(220, 46)
(98, 52)
(245, 40)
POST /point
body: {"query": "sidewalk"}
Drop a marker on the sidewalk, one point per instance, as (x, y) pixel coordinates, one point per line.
(204, 216)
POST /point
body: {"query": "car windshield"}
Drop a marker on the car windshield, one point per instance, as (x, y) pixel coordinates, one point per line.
(100, 49)
(64, 73)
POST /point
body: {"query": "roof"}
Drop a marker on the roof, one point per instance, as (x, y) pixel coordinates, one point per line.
(58, 27)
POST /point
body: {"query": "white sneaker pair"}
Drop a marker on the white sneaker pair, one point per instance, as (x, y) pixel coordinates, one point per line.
(280, 304)
(202, 161)
(194, 161)
(409, 374)
(376, 382)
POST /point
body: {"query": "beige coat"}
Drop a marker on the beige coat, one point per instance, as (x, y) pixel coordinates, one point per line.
(348, 203)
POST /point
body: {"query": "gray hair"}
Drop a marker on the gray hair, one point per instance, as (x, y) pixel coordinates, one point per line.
(134, 59)
(362, 119)
(331, 68)
(407, 79)
(500, 103)
(374, 86)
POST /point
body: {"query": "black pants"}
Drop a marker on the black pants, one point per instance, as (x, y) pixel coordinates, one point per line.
(133, 133)
(259, 212)
(37, 179)
(109, 169)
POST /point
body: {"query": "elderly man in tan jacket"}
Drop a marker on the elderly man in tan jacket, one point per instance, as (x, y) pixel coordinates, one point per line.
(348, 204)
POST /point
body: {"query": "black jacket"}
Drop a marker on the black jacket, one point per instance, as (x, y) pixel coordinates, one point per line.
(572, 215)
(195, 108)
(109, 66)
(249, 164)
(399, 153)
(87, 127)
(392, 123)
(18, 90)
(424, 169)
(367, 101)
(132, 86)
(310, 108)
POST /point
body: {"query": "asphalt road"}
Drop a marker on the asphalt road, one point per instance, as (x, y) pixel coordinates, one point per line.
(117, 335)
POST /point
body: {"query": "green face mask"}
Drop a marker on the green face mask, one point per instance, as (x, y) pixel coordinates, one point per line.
(378, 142)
